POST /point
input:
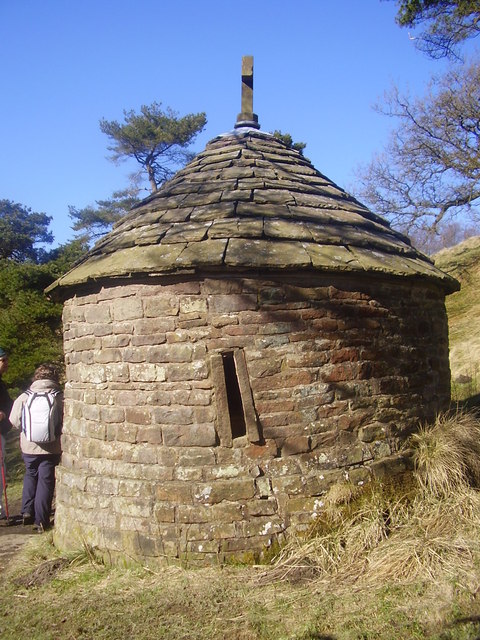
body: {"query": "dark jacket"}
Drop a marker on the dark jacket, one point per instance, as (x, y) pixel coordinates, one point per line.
(5, 406)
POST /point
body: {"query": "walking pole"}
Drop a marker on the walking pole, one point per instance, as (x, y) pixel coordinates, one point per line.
(4, 480)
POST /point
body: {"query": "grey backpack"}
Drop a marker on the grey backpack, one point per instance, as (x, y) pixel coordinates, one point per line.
(41, 416)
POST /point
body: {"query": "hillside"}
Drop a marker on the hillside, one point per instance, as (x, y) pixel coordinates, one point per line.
(463, 308)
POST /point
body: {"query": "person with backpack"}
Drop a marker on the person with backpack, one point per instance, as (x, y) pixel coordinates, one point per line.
(38, 412)
(5, 426)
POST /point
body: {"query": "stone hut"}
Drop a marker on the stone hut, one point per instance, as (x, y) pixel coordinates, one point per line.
(243, 339)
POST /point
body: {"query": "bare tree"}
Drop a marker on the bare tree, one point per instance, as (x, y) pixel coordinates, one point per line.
(429, 172)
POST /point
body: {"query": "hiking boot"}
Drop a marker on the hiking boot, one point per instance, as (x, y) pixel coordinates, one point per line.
(27, 518)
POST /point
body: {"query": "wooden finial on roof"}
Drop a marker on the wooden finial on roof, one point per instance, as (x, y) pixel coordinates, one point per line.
(247, 118)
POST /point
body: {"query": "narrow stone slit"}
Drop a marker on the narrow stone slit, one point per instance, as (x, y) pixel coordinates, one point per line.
(234, 396)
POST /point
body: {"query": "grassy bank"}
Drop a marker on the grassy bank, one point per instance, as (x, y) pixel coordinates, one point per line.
(463, 310)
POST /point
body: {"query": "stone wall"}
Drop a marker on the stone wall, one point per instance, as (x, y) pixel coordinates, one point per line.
(333, 375)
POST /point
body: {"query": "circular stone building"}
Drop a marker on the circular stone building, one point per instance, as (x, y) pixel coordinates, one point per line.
(243, 339)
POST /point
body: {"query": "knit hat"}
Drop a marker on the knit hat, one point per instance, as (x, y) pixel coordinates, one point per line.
(3, 353)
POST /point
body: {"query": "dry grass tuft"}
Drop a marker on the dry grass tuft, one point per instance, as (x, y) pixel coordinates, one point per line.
(439, 537)
(382, 533)
(355, 520)
(448, 454)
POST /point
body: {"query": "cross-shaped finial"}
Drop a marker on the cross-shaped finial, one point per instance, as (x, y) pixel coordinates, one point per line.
(247, 118)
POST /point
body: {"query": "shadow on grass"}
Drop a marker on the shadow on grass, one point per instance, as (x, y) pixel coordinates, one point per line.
(471, 403)
(469, 620)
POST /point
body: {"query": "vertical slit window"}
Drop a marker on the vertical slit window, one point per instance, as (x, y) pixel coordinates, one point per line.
(236, 416)
(234, 398)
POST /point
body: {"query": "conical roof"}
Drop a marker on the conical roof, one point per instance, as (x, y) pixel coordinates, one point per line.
(248, 202)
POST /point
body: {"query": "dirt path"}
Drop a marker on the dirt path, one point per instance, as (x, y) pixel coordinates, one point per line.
(13, 537)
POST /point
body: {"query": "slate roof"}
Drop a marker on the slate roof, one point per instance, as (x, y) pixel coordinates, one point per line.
(247, 202)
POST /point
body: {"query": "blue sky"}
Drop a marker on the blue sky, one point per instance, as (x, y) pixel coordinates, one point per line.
(319, 66)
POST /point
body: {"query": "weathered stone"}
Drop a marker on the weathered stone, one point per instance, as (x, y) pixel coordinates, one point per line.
(164, 512)
(264, 487)
(189, 435)
(232, 490)
(174, 492)
(157, 307)
(298, 444)
(175, 415)
(188, 474)
(138, 415)
(171, 353)
(127, 309)
(196, 456)
(152, 435)
(146, 373)
(231, 302)
(390, 466)
(259, 526)
(371, 432)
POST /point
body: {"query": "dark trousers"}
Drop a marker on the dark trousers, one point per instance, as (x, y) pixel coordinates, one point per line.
(39, 486)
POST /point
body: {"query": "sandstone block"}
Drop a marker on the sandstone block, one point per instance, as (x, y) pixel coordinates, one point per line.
(160, 325)
(111, 414)
(194, 371)
(174, 414)
(134, 488)
(196, 457)
(90, 412)
(194, 435)
(97, 313)
(263, 486)
(193, 305)
(102, 330)
(147, 373)
(188, 474)
(123, 432)
(259, 526)
(138, 508)
(390, 466)
(218, 491)
(95, 374)
(141, 454)
(138, 415)
(103, 485)
(117, 373)
(173, 492)
(221, 286)
(257, 452)
(265, 367)
(156, 307)
(151, 435)
(127, 309)
(199, 549)
(164, 512)
(290, 485)
(96, 430)
(218, 472)
(231, 303)
(373, 431)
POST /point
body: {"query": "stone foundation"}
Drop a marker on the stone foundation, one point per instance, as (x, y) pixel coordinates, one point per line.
(162, 460)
